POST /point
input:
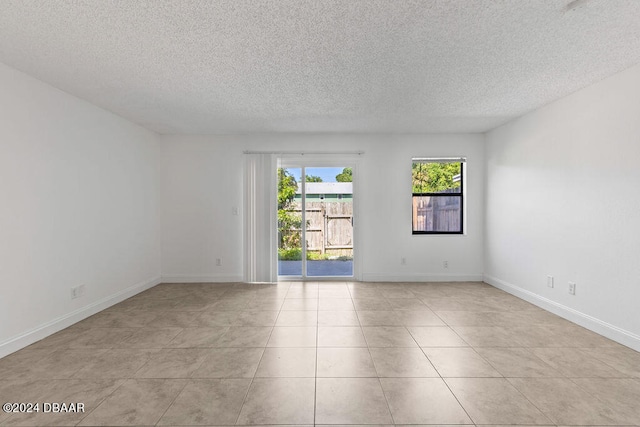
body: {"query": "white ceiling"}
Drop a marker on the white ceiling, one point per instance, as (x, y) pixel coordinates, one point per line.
(239, 66)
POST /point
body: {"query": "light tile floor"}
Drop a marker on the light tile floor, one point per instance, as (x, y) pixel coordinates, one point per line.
(325, 354)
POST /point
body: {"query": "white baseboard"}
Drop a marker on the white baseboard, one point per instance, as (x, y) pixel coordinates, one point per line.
(366, 277)
(201, 279)
(36, 334)
(598, 326)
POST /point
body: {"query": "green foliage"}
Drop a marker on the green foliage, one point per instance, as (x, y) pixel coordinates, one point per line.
(434, 177)
(345, 176)
(293, 254)
(312, 178)
(287, 188)
(289, 222)
(316, 256)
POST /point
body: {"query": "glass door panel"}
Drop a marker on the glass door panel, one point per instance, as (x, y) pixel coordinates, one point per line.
(329, 221)
(289, 222)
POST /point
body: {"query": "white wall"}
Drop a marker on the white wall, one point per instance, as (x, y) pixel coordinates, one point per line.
(563, 199)
(202, 180)
(78, 189)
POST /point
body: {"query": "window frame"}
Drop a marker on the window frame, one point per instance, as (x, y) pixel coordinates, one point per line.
(461, 194)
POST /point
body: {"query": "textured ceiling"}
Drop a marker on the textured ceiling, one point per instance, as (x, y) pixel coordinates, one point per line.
(239, 66)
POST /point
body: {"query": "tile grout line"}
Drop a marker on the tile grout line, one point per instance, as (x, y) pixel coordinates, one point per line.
(173, 400)
(264, 349)
(100, 402)
(529, 400)
(386, 399)
(436, 369)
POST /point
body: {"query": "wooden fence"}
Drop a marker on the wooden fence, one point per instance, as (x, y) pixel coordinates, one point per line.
(436, 213)
(330, 224)
(329, 227)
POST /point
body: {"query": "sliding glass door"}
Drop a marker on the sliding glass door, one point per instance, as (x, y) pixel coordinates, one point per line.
(290, 220)
(315, 221)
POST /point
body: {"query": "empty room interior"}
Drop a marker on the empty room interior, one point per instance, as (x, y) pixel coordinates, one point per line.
(312, 212)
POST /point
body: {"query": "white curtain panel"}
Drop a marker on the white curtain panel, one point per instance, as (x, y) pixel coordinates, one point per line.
(260, 218)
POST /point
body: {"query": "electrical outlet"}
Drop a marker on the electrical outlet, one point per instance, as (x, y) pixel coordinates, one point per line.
(234, 210)
(572, 288)
(445, 264)
(218, 262)
(403, 261)
(550, 281)
(77, 292)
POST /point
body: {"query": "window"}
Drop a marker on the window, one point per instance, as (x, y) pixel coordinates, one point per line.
(437, 195)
